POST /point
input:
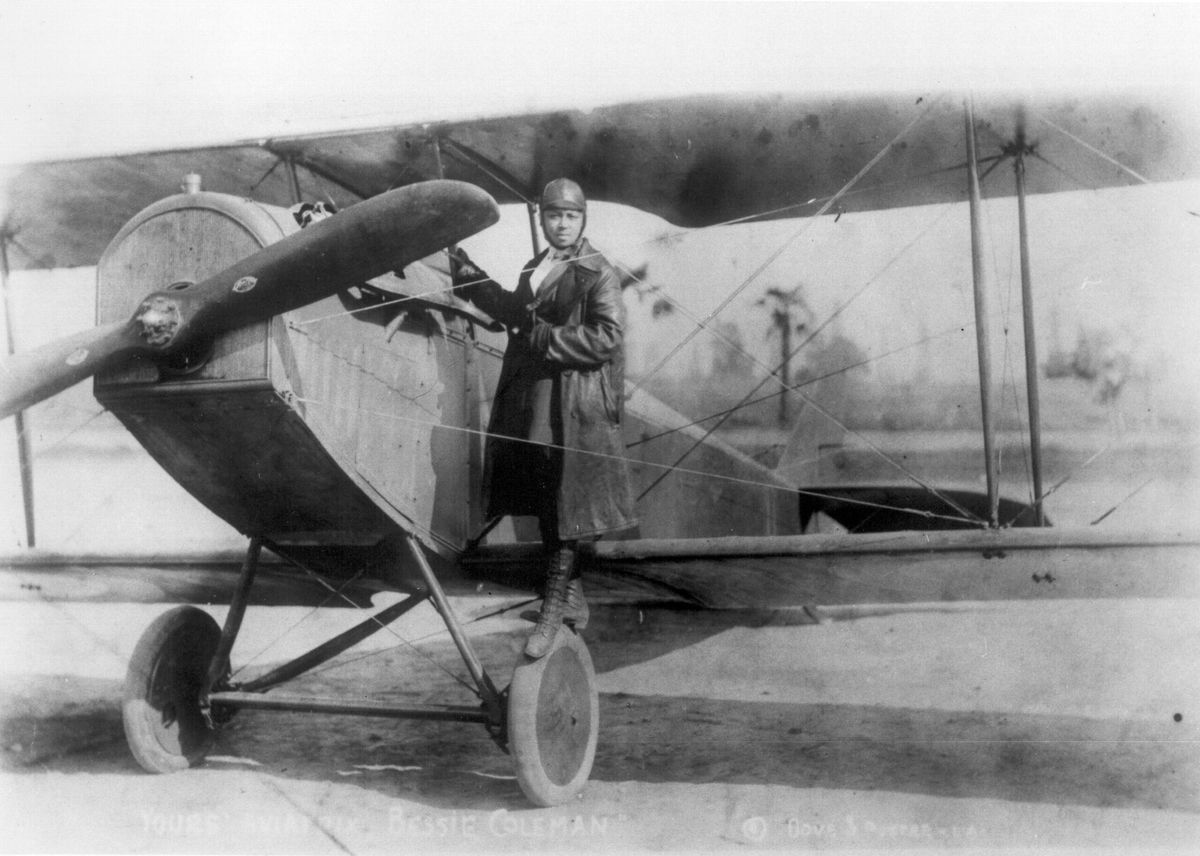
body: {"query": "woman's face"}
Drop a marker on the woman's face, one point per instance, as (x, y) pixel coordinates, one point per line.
(562, 227)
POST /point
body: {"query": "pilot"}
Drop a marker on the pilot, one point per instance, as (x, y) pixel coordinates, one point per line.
(554, 448)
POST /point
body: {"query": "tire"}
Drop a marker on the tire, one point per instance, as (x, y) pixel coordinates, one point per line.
(554, 721)
(164, 725)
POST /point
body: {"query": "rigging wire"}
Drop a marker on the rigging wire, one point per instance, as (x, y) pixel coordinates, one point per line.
(341, 662)
(45, 450)
(773, 257)
(338, 593)
(1136, 227)
(828, 415)
(274, 166)
(1026, 462)
(687, 233)
(1094, 150)
(463, 154)
(1010, 386)
(827, 203)
(966, 513)
(1092, 459)
(772, 373)
(303, 618)
(807, 382)
(780, 486)
(1134, 223)
(668, 237)
(1058, 484)
(850, 190)
(1121, 502)
(1006, 319)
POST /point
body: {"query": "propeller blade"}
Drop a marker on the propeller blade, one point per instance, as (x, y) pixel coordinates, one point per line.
(31, 376)
(380, 234)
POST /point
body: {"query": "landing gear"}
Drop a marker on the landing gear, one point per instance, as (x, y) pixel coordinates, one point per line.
(554, 721)
(165, 724)
(178, 688)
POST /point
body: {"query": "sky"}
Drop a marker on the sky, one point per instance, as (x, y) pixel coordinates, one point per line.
(89, 78)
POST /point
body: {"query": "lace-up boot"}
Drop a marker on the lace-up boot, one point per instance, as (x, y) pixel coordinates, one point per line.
(576, 613)
(554, 604)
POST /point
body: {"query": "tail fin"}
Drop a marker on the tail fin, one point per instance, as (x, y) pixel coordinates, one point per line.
(812, 451)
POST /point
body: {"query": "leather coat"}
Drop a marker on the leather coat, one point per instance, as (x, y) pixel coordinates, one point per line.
(561, 383)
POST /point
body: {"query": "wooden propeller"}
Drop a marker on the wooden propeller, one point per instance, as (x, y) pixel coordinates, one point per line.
(384, 233)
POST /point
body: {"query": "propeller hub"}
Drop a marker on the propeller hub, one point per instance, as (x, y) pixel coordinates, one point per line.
(160, 318)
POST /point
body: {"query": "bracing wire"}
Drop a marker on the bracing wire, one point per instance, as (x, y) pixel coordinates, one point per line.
(44, 450)
(342, 662)
(748, 218)
(1095, 150)
(339, 593)
(668, 469)
(1010, 385)
(105, 506)
(772, 373)
(816, 200)
(792, 388)
(675, 467)
(1135, 224)
(770, 485)
(1081, 183)
(831, 200)
(1006, 318)
(773, 257)
(848, 190)
(1124, 499)
(303, 618)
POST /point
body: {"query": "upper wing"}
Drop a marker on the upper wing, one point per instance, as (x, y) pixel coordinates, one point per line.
(694, 161)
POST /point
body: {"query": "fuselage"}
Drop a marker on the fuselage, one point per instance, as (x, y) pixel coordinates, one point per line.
(333, 430)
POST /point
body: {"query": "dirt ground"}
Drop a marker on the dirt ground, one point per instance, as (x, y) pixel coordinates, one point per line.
(1050, 726)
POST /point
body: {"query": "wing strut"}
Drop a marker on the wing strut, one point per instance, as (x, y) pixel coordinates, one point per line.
(294, 180)
(25, 461)
(294, 158)
(1031, 371)
(498, 174)
(982, 328)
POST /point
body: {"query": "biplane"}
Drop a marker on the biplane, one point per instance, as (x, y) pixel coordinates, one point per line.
(321, 388)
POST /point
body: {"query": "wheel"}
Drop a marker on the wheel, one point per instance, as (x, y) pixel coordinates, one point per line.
(164, 725)
(554, 721)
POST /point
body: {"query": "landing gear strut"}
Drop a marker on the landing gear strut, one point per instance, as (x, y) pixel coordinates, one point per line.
(177, 691)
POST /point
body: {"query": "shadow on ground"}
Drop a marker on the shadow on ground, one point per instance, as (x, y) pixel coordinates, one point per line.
(645, 738)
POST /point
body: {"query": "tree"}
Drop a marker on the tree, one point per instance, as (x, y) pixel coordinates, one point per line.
(782, 305)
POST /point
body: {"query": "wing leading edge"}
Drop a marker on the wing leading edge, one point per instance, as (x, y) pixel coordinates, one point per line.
(694, 161)
(878, 568)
